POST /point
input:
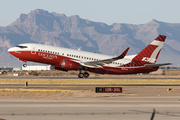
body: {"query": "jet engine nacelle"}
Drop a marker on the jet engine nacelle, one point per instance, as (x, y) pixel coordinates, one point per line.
(59, 68)
(70, 65)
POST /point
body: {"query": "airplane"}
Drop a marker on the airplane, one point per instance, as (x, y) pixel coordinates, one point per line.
(66, 59)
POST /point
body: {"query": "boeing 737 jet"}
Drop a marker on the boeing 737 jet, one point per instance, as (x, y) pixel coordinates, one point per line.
(68, 59)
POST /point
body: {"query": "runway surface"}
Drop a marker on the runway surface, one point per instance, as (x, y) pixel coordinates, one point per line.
(135, 103)
(126, 108)
(119, 77)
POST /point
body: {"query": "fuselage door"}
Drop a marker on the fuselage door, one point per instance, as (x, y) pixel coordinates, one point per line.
(33, 50)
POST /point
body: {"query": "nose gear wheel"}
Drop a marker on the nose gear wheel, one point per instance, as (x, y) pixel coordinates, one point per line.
(24, 65)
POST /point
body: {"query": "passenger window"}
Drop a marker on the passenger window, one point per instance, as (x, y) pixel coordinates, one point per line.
(62, 53)
(84, 57)
(38, 49)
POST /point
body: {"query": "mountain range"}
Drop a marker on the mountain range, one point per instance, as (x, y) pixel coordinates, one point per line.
(40, 26)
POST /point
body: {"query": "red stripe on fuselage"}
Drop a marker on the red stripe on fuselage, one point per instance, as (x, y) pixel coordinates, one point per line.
(41, 57)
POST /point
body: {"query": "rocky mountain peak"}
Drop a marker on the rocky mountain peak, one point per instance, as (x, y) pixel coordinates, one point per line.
(59, 15)
(40, 11)
(153, 22)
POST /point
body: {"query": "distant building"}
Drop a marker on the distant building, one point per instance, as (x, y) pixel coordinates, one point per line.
(16, 69)
(6, 69)
(36, 67)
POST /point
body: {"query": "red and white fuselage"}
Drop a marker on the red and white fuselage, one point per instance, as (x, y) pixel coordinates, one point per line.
(68, 59)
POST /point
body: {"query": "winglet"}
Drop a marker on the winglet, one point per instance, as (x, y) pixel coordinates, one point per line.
(122, 55)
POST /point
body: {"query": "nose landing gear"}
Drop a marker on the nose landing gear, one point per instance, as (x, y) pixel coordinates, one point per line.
(25, 65)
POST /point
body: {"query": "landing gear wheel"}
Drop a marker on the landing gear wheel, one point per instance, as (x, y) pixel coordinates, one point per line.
(86, 75)
(24, 65)
(80, 75)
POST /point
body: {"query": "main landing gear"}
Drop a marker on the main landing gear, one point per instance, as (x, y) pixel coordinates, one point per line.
(85, 75)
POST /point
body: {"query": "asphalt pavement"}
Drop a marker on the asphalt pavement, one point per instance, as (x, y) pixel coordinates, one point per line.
(136, 108)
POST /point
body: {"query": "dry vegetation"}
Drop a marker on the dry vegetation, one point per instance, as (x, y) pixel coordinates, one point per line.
(173, 72)
(91, 81)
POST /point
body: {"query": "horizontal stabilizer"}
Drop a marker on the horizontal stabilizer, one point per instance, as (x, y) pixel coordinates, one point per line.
(157, 65)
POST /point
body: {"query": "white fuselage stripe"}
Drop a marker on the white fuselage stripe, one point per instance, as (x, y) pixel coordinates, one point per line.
(65, 51)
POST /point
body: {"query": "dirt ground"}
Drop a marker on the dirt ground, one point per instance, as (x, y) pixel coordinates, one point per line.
(89, 92)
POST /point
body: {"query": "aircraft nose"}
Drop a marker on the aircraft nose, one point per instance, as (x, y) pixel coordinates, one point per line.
(10, 50)
(13, 51)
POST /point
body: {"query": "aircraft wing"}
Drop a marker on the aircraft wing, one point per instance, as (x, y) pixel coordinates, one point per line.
(100, 63)
(157, 65)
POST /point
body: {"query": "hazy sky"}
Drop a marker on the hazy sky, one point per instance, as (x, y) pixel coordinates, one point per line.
(107, 11)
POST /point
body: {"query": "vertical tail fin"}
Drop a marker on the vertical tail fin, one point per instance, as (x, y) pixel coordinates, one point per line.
(149, 54)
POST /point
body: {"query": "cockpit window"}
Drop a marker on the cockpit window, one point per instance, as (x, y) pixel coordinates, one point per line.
(21, 46)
